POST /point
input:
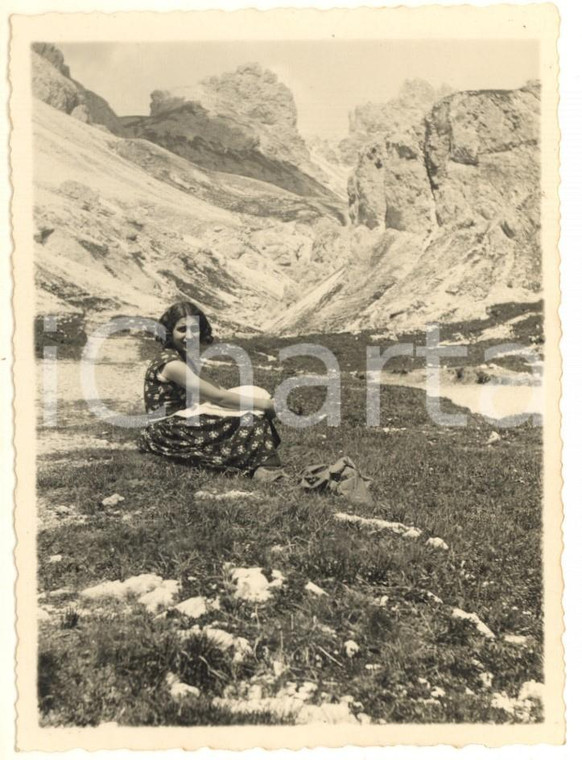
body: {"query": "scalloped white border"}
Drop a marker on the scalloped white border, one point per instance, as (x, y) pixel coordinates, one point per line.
(570, 112)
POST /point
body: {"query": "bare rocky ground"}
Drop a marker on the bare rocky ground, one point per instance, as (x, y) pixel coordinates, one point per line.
(169, 595)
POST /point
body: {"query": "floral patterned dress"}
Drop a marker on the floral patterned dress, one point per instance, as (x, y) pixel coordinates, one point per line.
(219, 443)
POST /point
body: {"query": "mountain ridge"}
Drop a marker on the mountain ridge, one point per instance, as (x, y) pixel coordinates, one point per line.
(244, 122)
(443, 205)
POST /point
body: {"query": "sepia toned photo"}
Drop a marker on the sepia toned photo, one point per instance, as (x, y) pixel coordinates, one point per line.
(287, 378)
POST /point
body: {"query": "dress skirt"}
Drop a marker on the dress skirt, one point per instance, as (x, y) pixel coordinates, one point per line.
(218, 443)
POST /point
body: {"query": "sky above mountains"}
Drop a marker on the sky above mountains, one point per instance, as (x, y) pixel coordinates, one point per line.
(328, 78)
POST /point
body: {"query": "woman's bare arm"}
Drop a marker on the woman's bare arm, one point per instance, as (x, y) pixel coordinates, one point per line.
(180, 373)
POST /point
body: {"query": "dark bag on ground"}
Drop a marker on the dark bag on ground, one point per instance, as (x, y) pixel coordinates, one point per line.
(342, 477)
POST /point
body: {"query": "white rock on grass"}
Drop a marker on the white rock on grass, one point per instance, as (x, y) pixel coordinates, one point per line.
(42, 615)
(54, 559)
(406, 531)
(59, 593)
(532, 690)
(313, 588)
(472, 617)
(252, 585)
(437, 692)
(501, 701)
(520, 641)
(240, 646)
(411, 533)
(194, 607)
(161, 597)
(152, 591)
(293, 701)
(141, 584)
(522, 706)
(111, 589)
(493, 438)
(226, 496)
(278, 579)
(136, 585)
(113, 500)
(437, 543)
(179, 690)
(351, 648)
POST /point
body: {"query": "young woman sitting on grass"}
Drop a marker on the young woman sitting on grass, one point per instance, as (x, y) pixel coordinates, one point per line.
(214, 441)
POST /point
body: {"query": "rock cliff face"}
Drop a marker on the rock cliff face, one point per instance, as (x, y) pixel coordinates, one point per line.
(454, 221)
(482, 159)
(389, 186)
(52, 83)
(243, 123)
(399, 118)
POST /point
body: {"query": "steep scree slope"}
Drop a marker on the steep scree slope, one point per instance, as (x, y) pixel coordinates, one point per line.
(124, 226)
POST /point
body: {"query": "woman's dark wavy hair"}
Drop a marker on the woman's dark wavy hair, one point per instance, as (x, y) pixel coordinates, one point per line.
(178, 311)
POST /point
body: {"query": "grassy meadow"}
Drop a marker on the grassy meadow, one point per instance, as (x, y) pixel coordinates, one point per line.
(376, 641)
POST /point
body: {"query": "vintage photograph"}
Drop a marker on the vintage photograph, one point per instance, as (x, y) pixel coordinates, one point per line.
(291, 319)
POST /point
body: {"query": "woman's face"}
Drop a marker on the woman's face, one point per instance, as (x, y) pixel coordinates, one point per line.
(185, 329)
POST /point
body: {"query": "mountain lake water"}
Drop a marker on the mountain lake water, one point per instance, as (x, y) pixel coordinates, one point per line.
(494, 400)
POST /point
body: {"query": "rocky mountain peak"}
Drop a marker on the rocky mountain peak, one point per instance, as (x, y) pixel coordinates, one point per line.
(250, 93)
(256, 93)
(399, 120)
(53, 55)
(389, 186)
(241, 122)
(52, 83)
